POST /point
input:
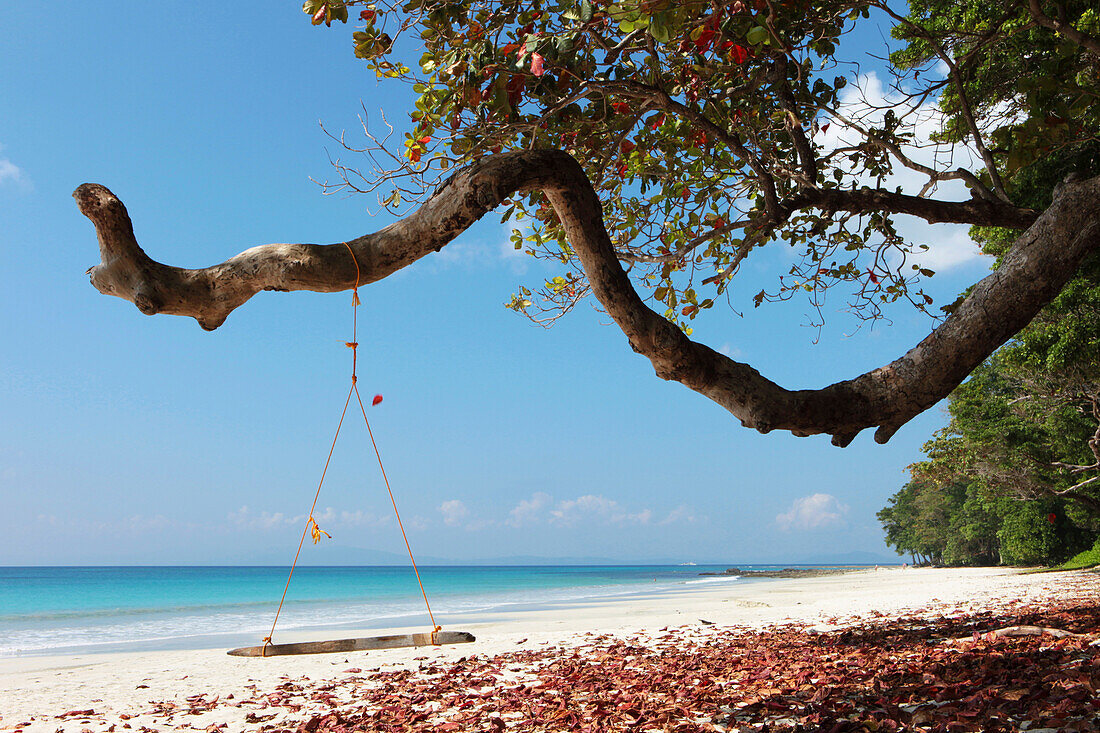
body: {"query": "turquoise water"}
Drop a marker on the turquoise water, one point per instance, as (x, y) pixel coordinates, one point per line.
(47, 610)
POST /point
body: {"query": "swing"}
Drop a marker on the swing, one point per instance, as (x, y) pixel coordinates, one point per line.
(436, 636)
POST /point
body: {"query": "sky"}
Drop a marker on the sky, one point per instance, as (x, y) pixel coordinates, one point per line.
(127, 439)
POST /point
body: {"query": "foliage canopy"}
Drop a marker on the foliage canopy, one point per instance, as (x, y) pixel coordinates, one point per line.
(653, 146)
(704, 126)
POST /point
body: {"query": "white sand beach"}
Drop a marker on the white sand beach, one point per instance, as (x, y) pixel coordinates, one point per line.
(167, 690)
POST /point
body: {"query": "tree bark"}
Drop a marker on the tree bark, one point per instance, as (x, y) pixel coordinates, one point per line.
(1040, 263)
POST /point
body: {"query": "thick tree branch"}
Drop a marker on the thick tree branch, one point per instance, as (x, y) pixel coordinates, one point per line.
(1068, 30)
(981, 212)
(1034, 271)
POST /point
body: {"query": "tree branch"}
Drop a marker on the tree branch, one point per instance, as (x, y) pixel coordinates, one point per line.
(964, 100)
(1076, 494)
(934, 176)
(981, 212)
(1034, 271)
(1067, 30)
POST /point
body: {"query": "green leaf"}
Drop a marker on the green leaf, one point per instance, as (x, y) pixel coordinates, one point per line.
(659, 30)
(757, 35)
(586, 11)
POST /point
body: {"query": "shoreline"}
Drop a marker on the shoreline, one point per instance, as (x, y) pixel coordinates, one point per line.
(38, 689)
(487, 607)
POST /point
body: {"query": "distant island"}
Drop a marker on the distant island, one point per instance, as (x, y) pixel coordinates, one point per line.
(787, 572)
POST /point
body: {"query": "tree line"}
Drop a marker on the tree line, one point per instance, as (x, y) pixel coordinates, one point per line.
(1014, 477)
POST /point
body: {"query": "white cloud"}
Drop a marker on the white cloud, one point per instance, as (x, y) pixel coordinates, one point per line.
(469, 251)
(595, 507)
(454, 511)
(141, 523)
(359, 518)
(528, 510)
(326, 519)
(679, 514)
(463, 251)
(517, 259)
(866, 103)
(728, 349)
(816, 511)
(11, 173)
(953, 248)
(244, 517)
(417, 523)
(588, 508)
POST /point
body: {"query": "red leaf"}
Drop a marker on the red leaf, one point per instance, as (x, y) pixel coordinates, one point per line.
(367, 14)
(1052, 518)
(76, 713)
(621, 107)
(627, 147)
(705, 39)
(536, 64)
(376, 400)
(739, 54)
(514, 87)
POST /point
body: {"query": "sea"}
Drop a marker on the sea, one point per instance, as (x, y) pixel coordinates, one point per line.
(67, 610)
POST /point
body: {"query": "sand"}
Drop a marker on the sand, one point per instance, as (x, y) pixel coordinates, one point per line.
(168, 690)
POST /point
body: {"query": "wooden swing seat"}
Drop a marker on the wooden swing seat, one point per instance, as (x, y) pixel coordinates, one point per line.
(395, 641)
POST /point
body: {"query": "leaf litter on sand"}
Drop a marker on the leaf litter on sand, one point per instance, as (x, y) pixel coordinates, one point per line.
(940, 670)
(889, 675)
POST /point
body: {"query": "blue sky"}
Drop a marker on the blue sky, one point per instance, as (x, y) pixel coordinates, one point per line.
(129, 439)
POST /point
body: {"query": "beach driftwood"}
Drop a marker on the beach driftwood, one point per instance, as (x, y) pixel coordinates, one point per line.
(1018, 631)
(354, 645)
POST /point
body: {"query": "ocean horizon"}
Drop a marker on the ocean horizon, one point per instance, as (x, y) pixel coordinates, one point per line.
(90, 609)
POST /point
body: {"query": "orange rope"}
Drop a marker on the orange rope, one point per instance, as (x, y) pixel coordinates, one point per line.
(311, 522)
(354, 344)
(400, 524)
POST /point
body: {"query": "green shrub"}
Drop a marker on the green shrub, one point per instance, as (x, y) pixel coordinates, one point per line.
(1086, 559)
(1028, 538)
